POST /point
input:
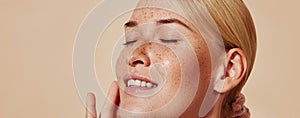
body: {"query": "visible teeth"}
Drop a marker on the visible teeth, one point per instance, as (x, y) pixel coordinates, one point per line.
(130, 83)
(143, 84)
(137, 82)
(149, 85)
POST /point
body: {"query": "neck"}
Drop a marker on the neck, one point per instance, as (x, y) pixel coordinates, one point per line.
(216, 110)
(214, 113)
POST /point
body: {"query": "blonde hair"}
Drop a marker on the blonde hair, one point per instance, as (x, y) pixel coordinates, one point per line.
(236, 27)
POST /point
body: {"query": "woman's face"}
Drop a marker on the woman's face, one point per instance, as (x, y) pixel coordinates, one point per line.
(162, 56)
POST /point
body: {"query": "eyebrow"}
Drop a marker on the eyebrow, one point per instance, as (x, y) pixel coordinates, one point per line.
(131, 24)
(173, 20)
(163, 21)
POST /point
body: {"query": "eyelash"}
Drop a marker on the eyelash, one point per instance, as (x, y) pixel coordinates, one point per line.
(129, 42)
(169, 41)
(162, 40)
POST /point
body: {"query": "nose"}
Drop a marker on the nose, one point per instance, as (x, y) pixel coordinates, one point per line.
(140, 57)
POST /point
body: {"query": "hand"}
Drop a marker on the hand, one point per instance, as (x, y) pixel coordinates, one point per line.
(110, 107)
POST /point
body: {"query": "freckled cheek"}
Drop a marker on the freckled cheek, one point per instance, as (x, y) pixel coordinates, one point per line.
(173, 72)
(171, 64)
(172, 67)
(173, 80)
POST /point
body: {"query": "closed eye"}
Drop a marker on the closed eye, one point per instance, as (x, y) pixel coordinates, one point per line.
(129, 42)
(169, 41)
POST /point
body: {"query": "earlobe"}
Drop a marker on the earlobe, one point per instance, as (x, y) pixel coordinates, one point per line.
(235, 68)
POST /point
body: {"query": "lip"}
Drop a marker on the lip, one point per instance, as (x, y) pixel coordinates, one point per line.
(143, 91)
(137, 77)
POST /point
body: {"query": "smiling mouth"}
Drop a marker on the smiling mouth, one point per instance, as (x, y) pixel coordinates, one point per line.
(140, 83)
(133, 81)
(141, 86)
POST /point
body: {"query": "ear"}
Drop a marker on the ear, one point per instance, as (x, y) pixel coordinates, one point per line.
(235, 68)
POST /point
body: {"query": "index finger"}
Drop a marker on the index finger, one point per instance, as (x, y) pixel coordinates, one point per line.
(91, 106)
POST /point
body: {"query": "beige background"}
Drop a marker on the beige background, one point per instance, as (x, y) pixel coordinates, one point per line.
(36, 42)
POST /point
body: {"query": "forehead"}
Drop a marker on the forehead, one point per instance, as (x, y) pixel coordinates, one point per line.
(151, 14)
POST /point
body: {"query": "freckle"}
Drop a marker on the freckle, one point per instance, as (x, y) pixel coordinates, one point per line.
(151, 14)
